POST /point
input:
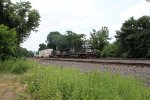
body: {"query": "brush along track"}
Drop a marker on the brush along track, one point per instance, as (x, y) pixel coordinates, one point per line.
(133, 68)
(140, 63)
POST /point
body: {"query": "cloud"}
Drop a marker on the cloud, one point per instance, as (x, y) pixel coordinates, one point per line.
(137, 10)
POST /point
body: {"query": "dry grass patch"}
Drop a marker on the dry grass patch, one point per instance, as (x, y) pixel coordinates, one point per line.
(10, 86)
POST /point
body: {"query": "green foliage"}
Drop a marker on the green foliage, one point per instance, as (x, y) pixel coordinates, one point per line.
(97, 53)
(99, 39)
(17, 66)
(134, 37)
(20, 67)
(111, 50)
(56, 40)
(58, 83)
(7, 42)
(20, 16)
(6, 65)
(23, 52)
(42, 46)
(74, 40)
(17, 20)
(70, 40)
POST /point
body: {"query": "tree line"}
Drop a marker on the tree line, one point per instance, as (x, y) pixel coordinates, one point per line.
(132, 40)
(56, 40)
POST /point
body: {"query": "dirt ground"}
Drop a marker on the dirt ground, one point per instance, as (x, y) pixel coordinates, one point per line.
(10, 88)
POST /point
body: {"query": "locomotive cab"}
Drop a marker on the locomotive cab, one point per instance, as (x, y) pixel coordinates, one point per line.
(88, 50)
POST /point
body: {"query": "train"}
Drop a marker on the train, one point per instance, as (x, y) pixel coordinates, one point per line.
(85, 51)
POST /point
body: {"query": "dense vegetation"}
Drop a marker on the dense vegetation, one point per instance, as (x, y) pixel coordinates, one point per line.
(17, 20)
(7, 42)
(16, 66)
(56, 40)
(134, 37)
(20, 16)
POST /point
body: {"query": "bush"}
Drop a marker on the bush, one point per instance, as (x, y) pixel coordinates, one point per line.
(55, 83)
(8, 40)
(111, 50)
(97, 53)
(6, 65)
(20, 67)
(16, 66)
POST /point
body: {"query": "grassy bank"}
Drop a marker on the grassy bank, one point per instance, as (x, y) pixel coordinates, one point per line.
(10, 76)
(57, 83)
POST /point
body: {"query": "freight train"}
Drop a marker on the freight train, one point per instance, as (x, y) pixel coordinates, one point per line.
(85, 51)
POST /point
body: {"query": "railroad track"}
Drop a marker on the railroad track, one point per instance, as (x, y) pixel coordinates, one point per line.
(141, 63)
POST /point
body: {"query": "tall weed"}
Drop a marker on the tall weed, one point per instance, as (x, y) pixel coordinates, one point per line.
(16, 66)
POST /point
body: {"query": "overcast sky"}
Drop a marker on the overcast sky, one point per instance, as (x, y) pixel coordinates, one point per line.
(81, 16)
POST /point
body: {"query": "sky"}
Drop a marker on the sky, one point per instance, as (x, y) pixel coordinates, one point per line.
(81, 16)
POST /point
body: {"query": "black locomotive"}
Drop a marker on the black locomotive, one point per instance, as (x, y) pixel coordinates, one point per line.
(85, 51)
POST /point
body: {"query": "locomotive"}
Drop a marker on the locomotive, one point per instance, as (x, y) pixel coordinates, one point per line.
(85, 51)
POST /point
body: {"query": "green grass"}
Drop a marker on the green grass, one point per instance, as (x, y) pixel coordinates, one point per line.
(16, 66)
(57, 83)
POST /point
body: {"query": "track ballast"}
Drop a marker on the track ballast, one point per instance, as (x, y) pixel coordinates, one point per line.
(134, 62)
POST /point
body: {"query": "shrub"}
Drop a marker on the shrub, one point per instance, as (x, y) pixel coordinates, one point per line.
(97, 53)
(6, 65)
(7, 42)
(16, 66)
(111, 50)
(20, 67)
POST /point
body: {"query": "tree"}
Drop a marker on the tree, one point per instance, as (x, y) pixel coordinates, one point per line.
(23, 52)
(7, 42)
(20, 16)
(134, 37)
(99, 39)
(70, 40)
(51, 38)
(74, 40)
(42, 46)
(56, 40)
